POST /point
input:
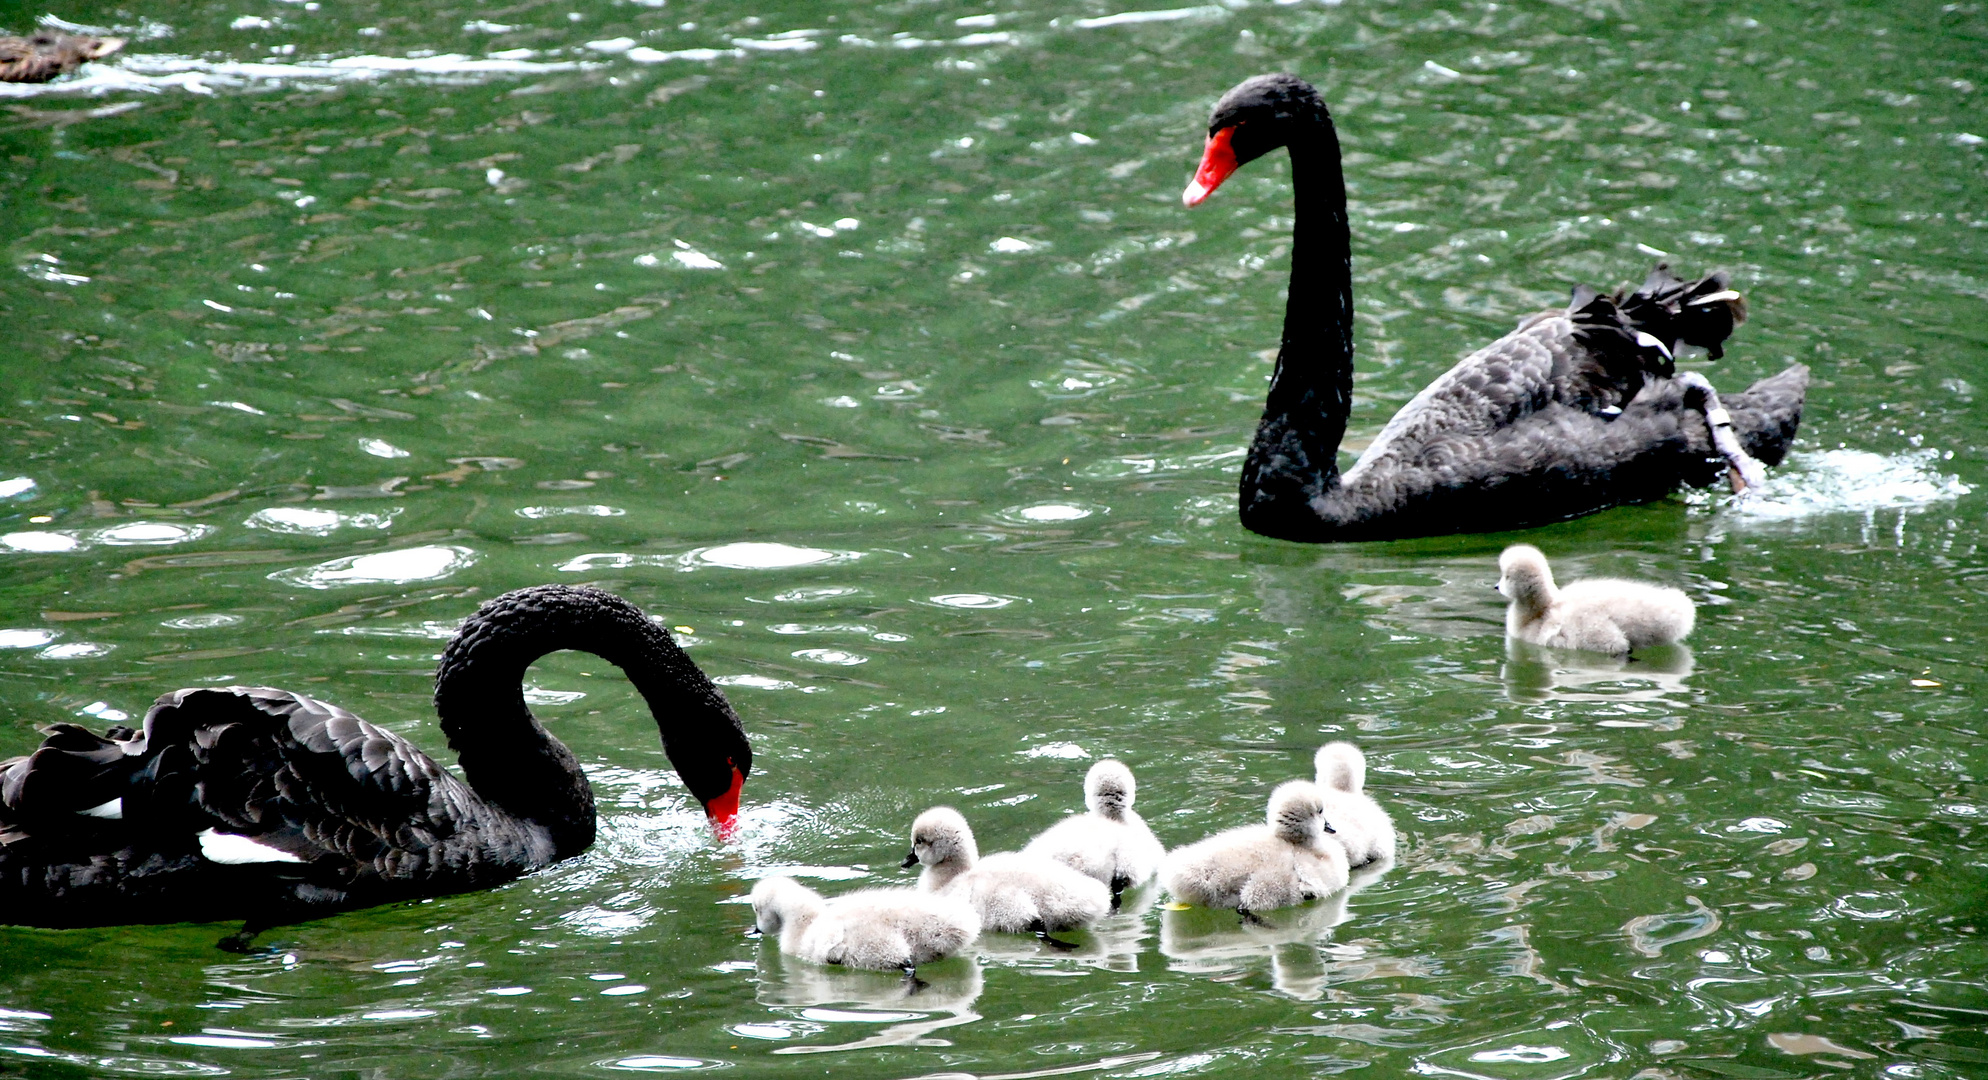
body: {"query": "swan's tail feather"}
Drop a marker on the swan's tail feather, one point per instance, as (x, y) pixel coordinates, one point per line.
(1673, 310)
(71, 772)
(1768, 413)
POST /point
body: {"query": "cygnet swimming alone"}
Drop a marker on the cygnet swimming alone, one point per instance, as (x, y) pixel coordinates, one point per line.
(880, 929)
(1110, 843)
(1285, 861)
(1599, 615)
(1362, 829)
(1013, 893)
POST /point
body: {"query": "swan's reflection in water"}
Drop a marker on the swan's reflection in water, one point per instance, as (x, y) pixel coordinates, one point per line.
(1533, 674)
(941, 996)
(1113, 943)
(944, 993)
(1221, 942)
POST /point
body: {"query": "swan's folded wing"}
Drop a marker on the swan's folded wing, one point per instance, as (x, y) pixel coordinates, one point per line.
(300, 780)
(303, 777)
(1492, 388)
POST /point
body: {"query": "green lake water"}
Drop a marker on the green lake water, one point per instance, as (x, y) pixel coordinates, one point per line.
(871, 347)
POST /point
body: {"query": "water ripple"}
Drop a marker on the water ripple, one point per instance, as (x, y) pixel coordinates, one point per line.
(408, 565)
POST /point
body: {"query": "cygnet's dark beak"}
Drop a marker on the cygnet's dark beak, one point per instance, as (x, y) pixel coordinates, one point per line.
(910, 859)
(1327, 826)
(753, 930)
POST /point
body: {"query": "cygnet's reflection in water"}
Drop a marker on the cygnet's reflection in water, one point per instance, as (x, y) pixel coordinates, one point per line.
(942, 995)
(1215, 941)
(1535, 674)
(1112, 943)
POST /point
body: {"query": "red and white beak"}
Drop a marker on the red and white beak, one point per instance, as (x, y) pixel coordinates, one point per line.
(724, 810)
(1218, 161)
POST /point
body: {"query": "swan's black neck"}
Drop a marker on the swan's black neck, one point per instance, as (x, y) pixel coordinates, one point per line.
(508, 756)
(1293, 464)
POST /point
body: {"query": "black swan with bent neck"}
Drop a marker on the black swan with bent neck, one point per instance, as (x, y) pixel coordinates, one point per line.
(247, 802)
(1575, 411)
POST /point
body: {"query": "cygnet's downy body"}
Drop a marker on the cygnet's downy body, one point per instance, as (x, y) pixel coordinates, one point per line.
(1362, 829)
(880, 929)
(1014, 893)
(1606, 615)
(1285, 861)
(1110, 843)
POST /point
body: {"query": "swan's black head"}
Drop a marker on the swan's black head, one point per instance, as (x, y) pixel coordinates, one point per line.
(1259, 115)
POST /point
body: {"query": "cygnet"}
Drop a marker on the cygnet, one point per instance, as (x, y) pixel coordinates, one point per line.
(1285, 861)
(1014, 893)
(1111, 843)
(1599, 615)
(1363, 830)
(880, 929)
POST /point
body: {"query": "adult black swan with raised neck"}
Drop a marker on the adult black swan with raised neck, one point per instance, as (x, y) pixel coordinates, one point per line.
(1575, 411)
(252, 803)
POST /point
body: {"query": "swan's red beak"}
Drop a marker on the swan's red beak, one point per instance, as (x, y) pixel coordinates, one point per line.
(1217, 162)
(724, 810)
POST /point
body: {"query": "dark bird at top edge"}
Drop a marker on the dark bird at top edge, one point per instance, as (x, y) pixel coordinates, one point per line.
(45, 54)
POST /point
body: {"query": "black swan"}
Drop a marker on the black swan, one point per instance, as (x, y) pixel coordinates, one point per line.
(47, 54)
(253, 803)
(1575, 411)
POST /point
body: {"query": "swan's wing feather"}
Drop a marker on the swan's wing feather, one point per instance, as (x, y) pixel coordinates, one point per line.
(314, 780)
(1589, 357)
(291, 772)
(1488, 390)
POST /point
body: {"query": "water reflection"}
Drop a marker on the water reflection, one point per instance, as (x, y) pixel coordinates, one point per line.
(128, 534)
(146, 533)
(401, 567)
(594, 510)
(202, 622)
(1532, 673)
(25, 639)
(1049, 513)
(1113, 943)
(941, 996)
(1220, 942)
(314, 521)
(748, 555)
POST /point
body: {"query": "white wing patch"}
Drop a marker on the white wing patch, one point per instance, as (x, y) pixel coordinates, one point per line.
(235, 850)
(113, 810)
(1649, 341)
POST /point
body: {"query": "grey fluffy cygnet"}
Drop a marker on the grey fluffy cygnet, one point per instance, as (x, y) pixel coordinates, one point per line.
(1014, 893)
(881, 929)
(1285, 861)
(1599, 615)
(1362, 829)
(1111, 843)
